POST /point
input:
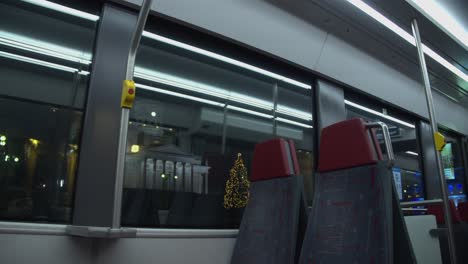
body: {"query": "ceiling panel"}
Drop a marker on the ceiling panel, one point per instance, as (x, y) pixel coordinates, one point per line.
(342, 19)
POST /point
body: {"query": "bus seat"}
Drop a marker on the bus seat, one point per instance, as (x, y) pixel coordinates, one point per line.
(268, 231)
(438, 211)
(463, 210)
(355, 217)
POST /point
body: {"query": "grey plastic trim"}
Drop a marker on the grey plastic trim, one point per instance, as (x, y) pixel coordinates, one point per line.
(421, 203)
(18, 228)
(32, 229)
(186, 233)
(101, 232)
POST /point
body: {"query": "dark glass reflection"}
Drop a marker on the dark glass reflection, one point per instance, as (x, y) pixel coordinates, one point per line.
(45, 64)
(38, 159)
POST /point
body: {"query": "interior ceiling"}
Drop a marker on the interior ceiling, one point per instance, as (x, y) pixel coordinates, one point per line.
(458, 9)
(342, 19)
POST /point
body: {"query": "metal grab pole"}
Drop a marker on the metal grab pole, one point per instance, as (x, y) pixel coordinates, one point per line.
(430, 107)
(135, 41)
(275, 106)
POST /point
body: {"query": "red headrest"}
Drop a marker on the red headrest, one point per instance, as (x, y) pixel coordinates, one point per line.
(347, 144)
(274, 159)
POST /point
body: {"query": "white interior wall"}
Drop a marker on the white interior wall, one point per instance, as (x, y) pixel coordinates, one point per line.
(165, 250)
(44, 249)
(18, 248)
(259, 24)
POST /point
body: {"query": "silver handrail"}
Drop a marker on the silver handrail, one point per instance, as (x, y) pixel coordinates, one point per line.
(434, 128)
(125, 116)
(420, 203)
(387, 140)
(140, 25)
(414, 209)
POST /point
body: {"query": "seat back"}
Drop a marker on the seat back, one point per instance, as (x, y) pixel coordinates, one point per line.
(355, 205)
(438, 211)
(463, 210)
(268, 231)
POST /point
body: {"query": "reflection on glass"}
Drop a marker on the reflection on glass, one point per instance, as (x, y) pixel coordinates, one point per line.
(193, 127)
(447, 162)
(38, 158)
(45, 59)
(454, 171)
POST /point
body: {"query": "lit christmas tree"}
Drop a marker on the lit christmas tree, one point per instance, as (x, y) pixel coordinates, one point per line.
(237, 186)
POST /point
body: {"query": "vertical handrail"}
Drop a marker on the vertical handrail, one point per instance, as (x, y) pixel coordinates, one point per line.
(223, 139)
(135, 41)
(387, 140)
(430, 107)
(275, 109)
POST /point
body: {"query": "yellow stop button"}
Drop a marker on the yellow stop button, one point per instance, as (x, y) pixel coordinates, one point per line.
(439, 140)
(128, 94)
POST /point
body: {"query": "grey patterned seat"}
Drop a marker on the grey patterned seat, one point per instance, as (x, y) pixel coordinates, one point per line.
(268, 232)
(355, 217)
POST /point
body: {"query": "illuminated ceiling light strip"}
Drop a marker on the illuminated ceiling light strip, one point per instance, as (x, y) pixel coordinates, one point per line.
(379, 114)
(293, 122)
(439, 16)
(40, 50)
(383, 20)
(224, 59)
(412, 153)
(429, 52)
(41, 63)
(406, 36)
(63, 9)
(210, 102)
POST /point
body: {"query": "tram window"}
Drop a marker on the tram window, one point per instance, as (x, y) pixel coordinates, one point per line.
(194, 119)
(45, 59)
(406, 171)
(454, 170)
(301, 102)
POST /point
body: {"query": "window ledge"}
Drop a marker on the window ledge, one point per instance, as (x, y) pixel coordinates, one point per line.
(101, 232)
(32, 229)
(186, 233)
(105, 232)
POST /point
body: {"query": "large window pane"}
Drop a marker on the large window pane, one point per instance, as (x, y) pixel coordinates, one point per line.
(406, 171)
(296, 106)
(45, 59)
(193, 118)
